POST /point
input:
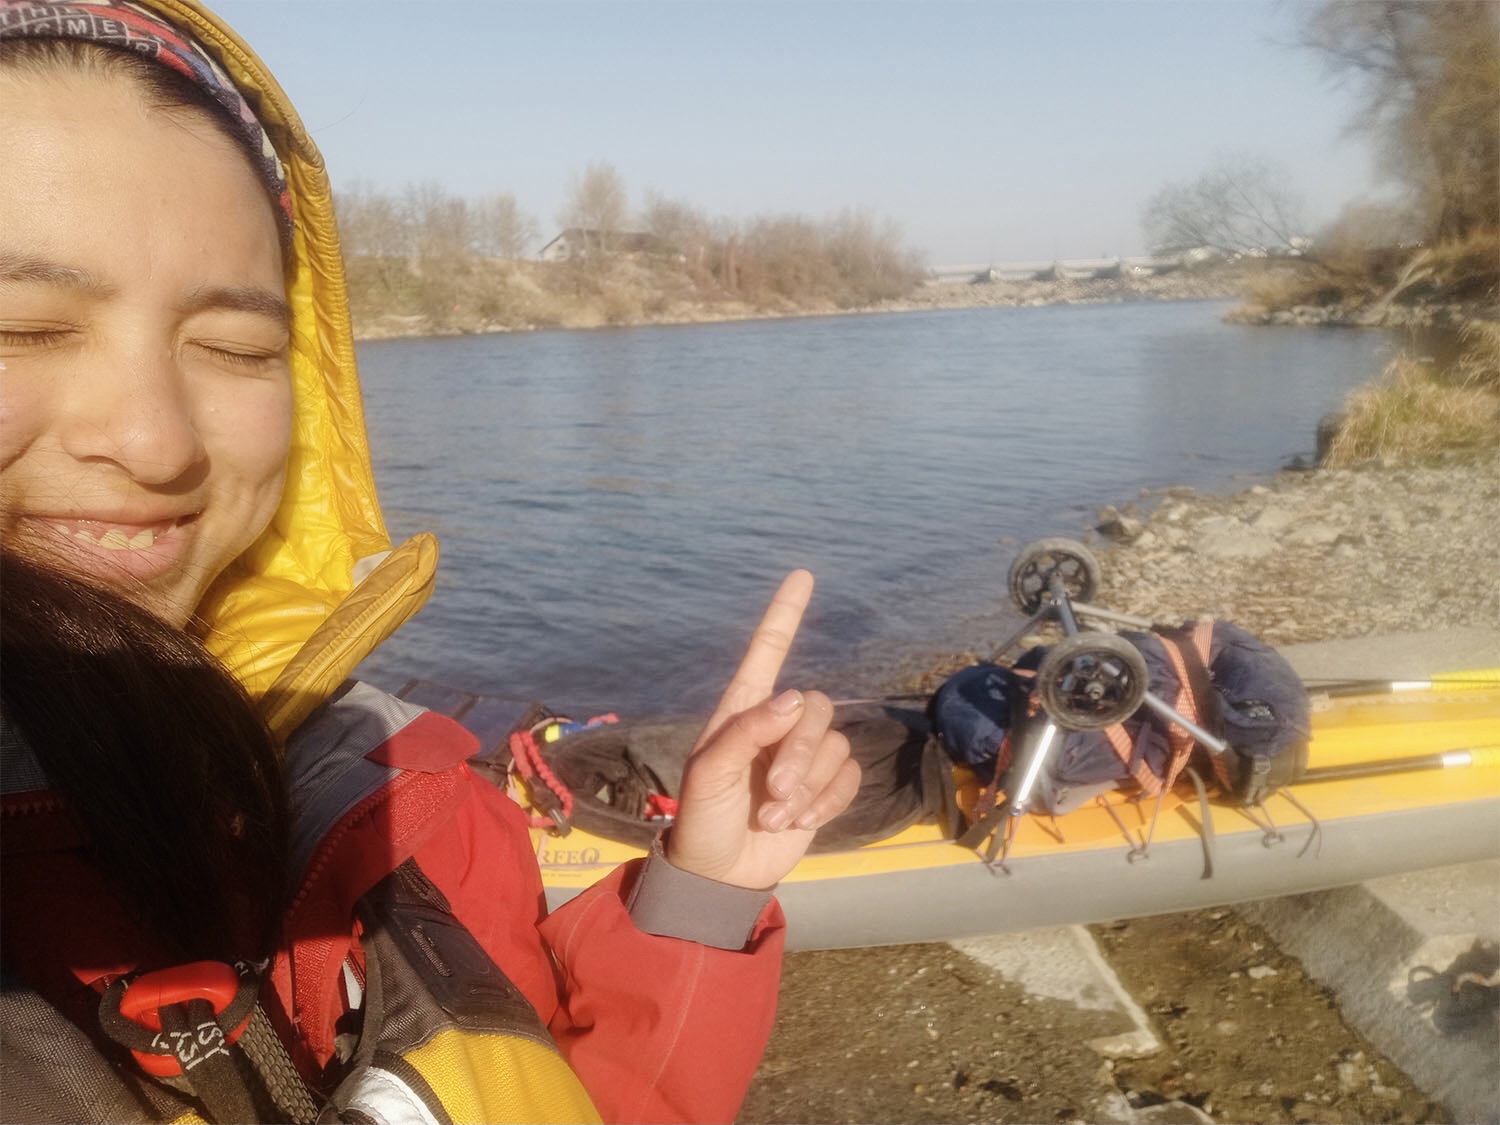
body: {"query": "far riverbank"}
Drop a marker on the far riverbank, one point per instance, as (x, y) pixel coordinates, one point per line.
(635, 295)
(523, 296)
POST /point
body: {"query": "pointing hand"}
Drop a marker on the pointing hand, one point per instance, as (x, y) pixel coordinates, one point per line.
(767, 771)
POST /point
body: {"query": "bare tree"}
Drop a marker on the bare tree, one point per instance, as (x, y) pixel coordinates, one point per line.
(1429, 76)
(501, 228)
(442, 223)
(420, 252)
(596, 205)
(870, 256)
(783, 256)
(677, 226)
(1241, 205)
(372, 224)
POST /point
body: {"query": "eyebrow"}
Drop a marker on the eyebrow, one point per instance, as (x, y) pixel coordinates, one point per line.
(15, 268)
(241, 298)
(38, 271)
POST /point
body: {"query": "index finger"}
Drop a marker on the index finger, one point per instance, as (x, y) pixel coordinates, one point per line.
(772, 640)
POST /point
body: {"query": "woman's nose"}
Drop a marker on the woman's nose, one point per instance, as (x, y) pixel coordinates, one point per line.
(137, 413)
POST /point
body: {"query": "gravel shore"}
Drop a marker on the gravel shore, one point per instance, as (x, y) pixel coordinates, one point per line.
(922, 1033)
(1319, 555)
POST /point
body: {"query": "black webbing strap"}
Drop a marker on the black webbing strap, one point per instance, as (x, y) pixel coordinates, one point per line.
(128, 1033)
(198, 1042)
(263, 1047)
(1206, 815)
(251, 1080)
(989, 822)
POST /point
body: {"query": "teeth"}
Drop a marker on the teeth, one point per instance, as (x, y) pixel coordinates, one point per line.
(116, 540)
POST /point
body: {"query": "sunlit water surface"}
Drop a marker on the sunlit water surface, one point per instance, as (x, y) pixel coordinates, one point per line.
(616, 506)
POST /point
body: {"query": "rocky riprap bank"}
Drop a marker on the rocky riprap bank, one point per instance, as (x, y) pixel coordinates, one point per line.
(1375, 315)
(1318, 555)
(1214, 283)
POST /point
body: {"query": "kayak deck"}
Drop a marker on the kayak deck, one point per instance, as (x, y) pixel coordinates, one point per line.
(919, 884)
(1348, 732)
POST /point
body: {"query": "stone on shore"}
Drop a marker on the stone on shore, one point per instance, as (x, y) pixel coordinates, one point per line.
(1310, 556)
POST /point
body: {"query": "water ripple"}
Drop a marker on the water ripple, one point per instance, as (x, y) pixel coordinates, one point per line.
(615, 507)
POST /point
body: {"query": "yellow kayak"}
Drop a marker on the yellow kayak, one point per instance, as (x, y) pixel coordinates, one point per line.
(1396, 781)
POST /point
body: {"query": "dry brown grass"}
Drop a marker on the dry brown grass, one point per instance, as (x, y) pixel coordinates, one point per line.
(1290, 285)
(398, 296)
(1466, 269)
(1411, 413)
(1479, 364)
(1344, 270)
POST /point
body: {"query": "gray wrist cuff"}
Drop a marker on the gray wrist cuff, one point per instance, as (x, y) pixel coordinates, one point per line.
(670, 902)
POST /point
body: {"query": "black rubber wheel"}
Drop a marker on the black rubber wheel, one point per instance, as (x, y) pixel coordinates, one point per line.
(1092, 680)
(1034, 566)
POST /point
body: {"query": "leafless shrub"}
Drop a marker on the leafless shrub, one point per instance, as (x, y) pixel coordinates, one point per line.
(1291, 284)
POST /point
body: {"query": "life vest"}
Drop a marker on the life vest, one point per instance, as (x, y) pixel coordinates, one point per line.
(446, 1034)
(445, 1037)
(436, 1030)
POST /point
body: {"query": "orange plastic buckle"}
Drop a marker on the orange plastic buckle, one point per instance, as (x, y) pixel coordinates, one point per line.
(145, 996)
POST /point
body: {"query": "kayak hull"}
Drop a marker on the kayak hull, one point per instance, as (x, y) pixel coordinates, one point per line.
(1094, 865)
(971, 900)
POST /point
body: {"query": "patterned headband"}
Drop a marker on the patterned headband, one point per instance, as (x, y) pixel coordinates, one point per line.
(127, 26)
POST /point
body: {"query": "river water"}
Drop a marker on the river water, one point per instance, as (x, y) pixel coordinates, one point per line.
(616, 506)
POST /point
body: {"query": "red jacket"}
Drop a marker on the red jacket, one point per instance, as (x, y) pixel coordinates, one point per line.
(656, 1028)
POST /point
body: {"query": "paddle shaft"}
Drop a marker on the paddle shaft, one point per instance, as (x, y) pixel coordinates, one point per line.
(1447, 759)
(1473, 680)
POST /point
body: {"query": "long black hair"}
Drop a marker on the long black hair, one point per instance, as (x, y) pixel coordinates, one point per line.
(160, 756)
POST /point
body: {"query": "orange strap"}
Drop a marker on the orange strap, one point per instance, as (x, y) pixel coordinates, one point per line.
(1178, 738)
(1203, 641)
(1124, 748)
(1181, 740)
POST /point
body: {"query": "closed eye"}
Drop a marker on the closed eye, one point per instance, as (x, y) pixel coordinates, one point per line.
(239, 355)
(33, 337)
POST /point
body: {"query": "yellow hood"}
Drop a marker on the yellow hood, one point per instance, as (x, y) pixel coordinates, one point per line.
(286, 618)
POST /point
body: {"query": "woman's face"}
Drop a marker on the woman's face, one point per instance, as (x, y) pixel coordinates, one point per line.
(145, 389)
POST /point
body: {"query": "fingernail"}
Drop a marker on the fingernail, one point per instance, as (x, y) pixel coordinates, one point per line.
(775, 818)
(786, 702)
(782, 781)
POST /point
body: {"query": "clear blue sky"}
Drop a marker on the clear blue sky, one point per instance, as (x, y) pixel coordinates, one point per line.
(989, 131)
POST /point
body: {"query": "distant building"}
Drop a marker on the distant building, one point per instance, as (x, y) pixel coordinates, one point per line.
(578, 242)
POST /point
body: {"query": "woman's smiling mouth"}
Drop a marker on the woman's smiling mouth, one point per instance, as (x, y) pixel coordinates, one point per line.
(115, 540)
(110, 548)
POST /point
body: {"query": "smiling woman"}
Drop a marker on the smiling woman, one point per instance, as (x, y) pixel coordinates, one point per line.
(195, 562)
(147, 396)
